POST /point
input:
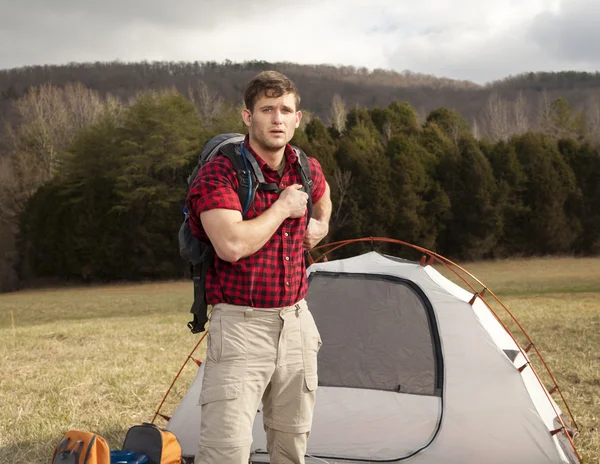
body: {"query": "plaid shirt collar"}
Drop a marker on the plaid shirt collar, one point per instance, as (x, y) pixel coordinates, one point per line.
(290, 157)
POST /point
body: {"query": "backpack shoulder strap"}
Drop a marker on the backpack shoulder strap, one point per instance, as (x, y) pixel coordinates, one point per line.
(306, 177)
(249, 176)
(262, 184)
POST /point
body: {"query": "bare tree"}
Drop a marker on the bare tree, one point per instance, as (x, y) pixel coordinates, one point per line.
(475, 129)
(504, 118)
(209, 104)
(521, 123)
(338, 114)
(387, 131)
(50, 117)
(343, 180)
(593, 118)
(307, 117)
(497, 117)
(43, 124)
(83, 106)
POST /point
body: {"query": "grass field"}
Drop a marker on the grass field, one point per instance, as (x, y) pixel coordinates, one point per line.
(101, 358)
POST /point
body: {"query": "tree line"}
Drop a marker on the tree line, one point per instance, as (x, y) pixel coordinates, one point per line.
(92, 188)
(358, 86)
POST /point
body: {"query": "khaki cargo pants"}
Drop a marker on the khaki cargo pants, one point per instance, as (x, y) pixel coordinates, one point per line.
(254, 355)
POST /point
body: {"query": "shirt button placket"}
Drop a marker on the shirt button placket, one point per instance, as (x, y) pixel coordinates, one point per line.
(286, 261)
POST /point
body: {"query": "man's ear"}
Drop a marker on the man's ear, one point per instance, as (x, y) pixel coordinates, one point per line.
(247, 117)
(298, 118)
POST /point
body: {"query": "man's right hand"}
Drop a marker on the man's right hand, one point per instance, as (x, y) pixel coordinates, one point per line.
(294, 200)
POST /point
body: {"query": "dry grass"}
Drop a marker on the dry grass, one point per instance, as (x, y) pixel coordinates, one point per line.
(532, 277)
(96, 359)
(101, 358)
(565, 329)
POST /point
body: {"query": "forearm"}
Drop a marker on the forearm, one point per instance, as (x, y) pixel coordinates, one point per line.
(318, 227)
(322, 209)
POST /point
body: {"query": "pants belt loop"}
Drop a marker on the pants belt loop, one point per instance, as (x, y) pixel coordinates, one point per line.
(248, 314)
(297, 309)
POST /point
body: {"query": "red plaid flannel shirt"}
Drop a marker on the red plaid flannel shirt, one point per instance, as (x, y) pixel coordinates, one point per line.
(275, 275)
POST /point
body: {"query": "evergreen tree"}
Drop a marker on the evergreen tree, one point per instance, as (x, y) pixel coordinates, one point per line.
(371, 204)
(435, 141)
(396, 119)
(467, 178)
(159, 143)
(322, 146)
(450, 122)
(550, 184)
(420, 204)
(584, 160)
(511, 185)
(43, 239)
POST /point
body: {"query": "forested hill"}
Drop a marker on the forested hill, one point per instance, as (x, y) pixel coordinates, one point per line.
(318, 85)
(94, 161)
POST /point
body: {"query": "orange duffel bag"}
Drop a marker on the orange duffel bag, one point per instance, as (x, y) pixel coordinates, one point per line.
(78, 447)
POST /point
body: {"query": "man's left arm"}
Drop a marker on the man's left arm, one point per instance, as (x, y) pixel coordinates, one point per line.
(318, 227)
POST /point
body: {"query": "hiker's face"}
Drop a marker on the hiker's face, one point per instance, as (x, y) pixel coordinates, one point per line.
(272, 121)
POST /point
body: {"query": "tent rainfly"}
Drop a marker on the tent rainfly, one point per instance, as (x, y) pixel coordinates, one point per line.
(413, 369)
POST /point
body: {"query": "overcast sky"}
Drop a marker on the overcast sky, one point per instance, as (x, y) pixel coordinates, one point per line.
(477, 40)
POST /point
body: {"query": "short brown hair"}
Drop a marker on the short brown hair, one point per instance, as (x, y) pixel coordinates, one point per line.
(271, 84)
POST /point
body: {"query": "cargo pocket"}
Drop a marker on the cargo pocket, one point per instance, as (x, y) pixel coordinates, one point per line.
(221, 414)
(214, 349)
(307, 407)
(229, 391)
(311, 382)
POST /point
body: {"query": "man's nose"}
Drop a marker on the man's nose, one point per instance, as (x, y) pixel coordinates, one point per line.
(277, 117)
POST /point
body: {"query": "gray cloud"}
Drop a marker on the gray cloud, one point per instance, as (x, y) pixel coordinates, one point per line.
(189, 14)
(59, 31)
(571, 35)
(482, 51)
(482, 61)
(465, 39)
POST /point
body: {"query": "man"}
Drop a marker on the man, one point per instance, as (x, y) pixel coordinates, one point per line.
(262, 340)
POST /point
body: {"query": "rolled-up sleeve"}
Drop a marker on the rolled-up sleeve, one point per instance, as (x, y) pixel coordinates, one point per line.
(215, 187)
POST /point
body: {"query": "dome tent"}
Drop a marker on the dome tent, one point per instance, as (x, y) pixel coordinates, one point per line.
(414, 369)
